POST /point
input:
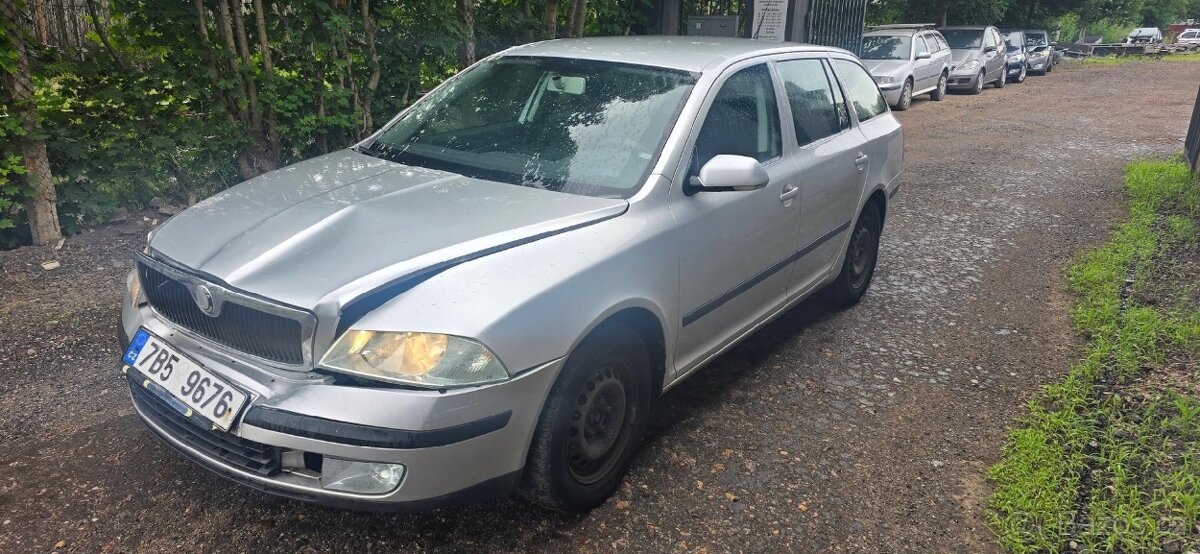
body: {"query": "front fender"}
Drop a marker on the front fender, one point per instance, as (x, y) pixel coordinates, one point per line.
(534, 302)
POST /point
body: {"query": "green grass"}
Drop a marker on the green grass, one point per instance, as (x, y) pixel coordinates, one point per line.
(1117, 60)
(1089, 463)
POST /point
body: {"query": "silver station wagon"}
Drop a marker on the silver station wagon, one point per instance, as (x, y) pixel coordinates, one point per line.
(487, 294)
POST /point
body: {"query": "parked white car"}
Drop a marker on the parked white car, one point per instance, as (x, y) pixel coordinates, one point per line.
(1189, 38)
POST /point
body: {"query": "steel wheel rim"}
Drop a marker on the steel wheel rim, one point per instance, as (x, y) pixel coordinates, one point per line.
(979, 83)
(860, 256)
(942, 85)
(599, 424)
(906, 94)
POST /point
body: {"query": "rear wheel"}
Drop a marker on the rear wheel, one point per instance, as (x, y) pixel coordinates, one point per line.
(862, 253)
(940, 92)
(905, 96)
(592, 422)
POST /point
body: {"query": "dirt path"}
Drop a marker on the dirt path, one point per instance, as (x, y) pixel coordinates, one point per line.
(864, 430)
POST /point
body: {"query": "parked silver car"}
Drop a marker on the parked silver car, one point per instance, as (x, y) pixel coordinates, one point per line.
(1189, 38)
(907, 60)
(486, 295)
(1039, 51)
(979, 57)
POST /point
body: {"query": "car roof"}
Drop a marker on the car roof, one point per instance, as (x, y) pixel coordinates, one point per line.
(964, 27)
(677, 52)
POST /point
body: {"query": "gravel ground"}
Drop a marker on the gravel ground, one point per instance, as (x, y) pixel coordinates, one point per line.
(867, 430)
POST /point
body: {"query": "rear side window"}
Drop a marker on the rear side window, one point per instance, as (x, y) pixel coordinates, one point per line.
(861, 90)
(743, 119)
(810, 95)
(1190, 34)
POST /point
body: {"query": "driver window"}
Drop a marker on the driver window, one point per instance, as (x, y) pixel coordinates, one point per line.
(743, 120)
(989, 39)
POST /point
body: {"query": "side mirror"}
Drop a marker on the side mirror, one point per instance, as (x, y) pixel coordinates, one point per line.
(924, 55)
(727, 173)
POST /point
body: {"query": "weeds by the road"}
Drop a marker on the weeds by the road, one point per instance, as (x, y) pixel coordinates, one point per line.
(1108, 459)
(1117, 60)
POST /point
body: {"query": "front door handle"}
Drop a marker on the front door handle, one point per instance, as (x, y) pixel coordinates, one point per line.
(861, 160)
(789, 192)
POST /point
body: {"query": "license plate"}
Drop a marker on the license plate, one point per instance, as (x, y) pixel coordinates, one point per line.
(197, 388)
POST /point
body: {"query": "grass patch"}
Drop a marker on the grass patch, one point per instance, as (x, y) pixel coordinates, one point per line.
(1118, 60)
(1099, 461)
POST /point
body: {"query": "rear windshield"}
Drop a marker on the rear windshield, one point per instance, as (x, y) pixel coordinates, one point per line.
(963, 38)
(886, 48)
(577, 126)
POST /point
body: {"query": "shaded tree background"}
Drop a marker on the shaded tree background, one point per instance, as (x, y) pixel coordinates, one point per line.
(174, 100)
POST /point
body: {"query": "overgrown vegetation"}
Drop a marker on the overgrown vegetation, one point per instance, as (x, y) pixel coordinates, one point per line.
(1108, 459)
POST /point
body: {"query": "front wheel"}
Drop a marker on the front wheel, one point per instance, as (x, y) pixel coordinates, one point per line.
(940, 92)
(978, 88)
(1003, 80)
(1021, 76)
(862, 253)
(905, 96)
(592, 422)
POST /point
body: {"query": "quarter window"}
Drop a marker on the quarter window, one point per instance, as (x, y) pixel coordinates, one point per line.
(861, 90)
(743, 120)
(931, 45)
(810, 96)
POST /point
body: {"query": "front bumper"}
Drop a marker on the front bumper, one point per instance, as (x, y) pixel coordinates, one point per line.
(1014, 68)
(1039, 63)
(963, 81)
(455, 445)
(891, 92)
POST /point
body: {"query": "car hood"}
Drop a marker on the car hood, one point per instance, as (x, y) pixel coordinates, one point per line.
(883, 67)
(332, 228)
(960, 56)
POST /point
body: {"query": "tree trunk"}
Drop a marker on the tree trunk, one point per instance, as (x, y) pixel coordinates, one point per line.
(1032, 12)
(264, 48)
(943, 12)
(373, 62)
(42, 205)
(244, 49)
(550, 18)
(527, 13)
(578, 17)
(103, 34)
(466, 9)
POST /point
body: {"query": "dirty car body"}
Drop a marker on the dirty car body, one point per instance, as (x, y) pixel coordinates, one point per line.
(484, 295)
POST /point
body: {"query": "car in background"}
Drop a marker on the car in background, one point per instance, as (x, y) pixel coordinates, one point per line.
(1145, 35)
(1014, 45)
(1189, 38)
(907, 60)
(977, 57)
(1039, 51)
(489, 293)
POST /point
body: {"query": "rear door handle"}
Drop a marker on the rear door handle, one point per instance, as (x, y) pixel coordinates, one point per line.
(861, 160)
(789, 192)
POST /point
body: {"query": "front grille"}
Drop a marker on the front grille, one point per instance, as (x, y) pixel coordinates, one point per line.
(266, 335)
(195, 432)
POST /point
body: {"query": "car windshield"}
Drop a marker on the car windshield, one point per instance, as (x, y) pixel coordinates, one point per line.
(963, 38)
(1035, 39)
(886, 48)
(1013, 41)
(577, 126)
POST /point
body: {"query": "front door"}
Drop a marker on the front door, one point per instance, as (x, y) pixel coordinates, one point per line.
(734, 246)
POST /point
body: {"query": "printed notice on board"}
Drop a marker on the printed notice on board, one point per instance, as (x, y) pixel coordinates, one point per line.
(770, 20)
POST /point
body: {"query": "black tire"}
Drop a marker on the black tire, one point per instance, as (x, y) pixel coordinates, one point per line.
(858, 266)
(1049, 65)
(1021, 76)
(577, 458)
(905, 96)
(978, 88)
(940, 92)
(1003, 80)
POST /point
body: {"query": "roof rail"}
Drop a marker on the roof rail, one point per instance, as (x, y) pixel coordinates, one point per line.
(901, 26)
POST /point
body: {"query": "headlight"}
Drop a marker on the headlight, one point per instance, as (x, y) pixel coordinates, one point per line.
(420, 359)
(973, 64)
(883, 79)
